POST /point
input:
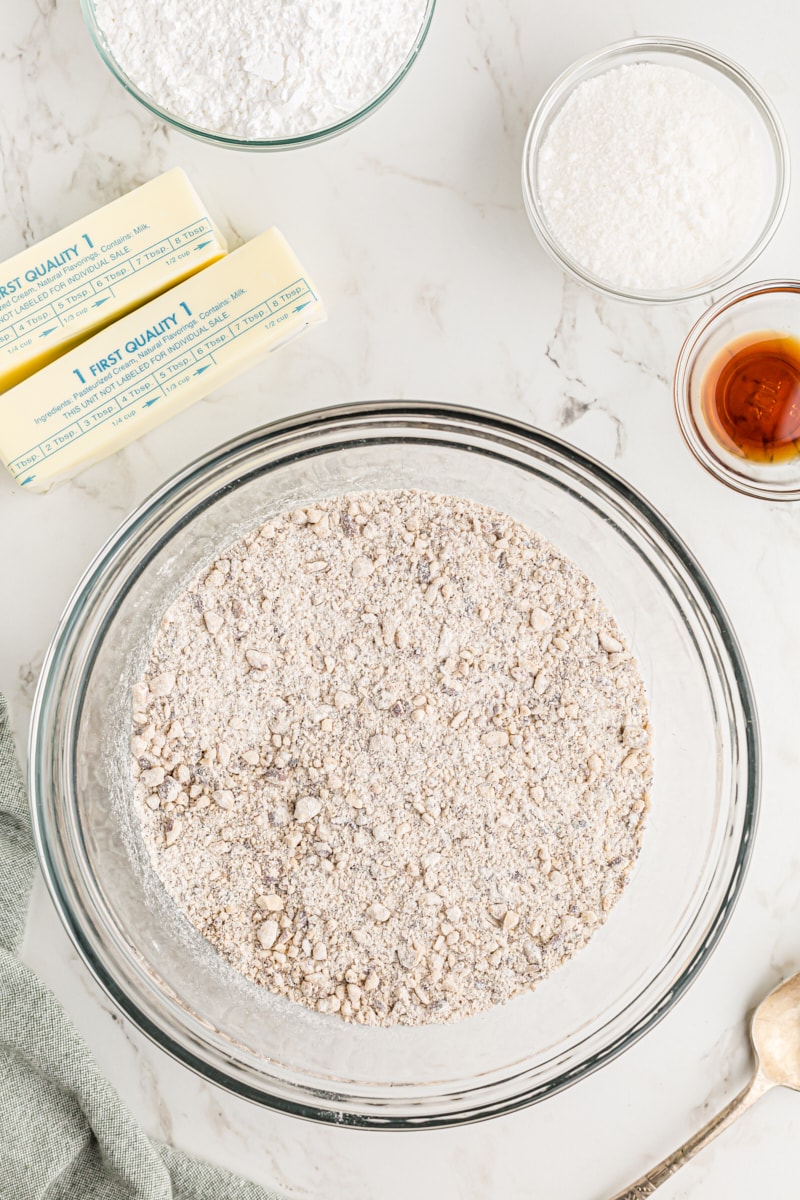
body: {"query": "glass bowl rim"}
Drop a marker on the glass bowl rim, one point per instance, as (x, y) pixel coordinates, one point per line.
(734, 671)
(231, 142)
(563, 85)
(757, 489)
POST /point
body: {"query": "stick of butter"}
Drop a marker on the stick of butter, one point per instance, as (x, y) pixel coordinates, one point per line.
(155, 362)
(54, 294)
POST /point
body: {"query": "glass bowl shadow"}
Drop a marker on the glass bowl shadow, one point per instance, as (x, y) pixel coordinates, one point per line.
(740, 87)
(169, 981)
(231, 141)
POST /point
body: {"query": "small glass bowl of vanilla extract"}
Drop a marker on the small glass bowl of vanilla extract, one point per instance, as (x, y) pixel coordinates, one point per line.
(737, 390)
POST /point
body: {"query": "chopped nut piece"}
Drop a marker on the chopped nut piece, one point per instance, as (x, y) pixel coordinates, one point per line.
(609, 643)
(532, 951)
(213, 622)
(362, 567)
(378, 912)
(173, 830)
(408, 957)
(169, 790)
(306, 808)
(541, 683)
(540, 620)
(267, 934)
(153, 777)
(163, 684)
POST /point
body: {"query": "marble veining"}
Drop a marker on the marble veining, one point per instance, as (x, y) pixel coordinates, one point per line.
(414, 227)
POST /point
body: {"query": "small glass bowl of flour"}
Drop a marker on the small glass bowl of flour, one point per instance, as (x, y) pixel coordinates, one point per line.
(259, 74)
(655, 170)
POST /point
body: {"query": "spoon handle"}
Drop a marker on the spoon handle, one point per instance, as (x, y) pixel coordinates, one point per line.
(648, 1183)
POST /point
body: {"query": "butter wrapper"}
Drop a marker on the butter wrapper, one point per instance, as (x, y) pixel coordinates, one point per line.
(155, 362)
(55, 294)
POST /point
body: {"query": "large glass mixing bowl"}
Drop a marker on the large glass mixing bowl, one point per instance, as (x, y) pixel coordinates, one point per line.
(169, 981)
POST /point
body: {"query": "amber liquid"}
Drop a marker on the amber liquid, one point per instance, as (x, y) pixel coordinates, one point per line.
(750, 397)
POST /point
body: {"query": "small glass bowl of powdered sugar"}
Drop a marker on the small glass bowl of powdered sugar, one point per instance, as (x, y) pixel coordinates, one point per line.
(259, 74)
(655, 170)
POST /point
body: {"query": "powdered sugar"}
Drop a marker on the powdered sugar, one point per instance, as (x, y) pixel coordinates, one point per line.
(650, 177)
(261, 69)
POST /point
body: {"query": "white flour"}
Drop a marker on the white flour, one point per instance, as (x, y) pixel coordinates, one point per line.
(650, 177)
(261, 68)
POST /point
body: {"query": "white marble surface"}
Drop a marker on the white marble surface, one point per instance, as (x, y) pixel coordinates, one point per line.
(414, 228)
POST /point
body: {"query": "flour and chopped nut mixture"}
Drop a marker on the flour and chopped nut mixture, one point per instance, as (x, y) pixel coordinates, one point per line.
(391, 757)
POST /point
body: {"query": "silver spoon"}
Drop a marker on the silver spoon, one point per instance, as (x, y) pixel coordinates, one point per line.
(775, 1034)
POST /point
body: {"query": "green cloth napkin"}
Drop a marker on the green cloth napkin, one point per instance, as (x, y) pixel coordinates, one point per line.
(64, 1132)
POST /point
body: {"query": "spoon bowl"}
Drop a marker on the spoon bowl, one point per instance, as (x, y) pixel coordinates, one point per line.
(775, 1032)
